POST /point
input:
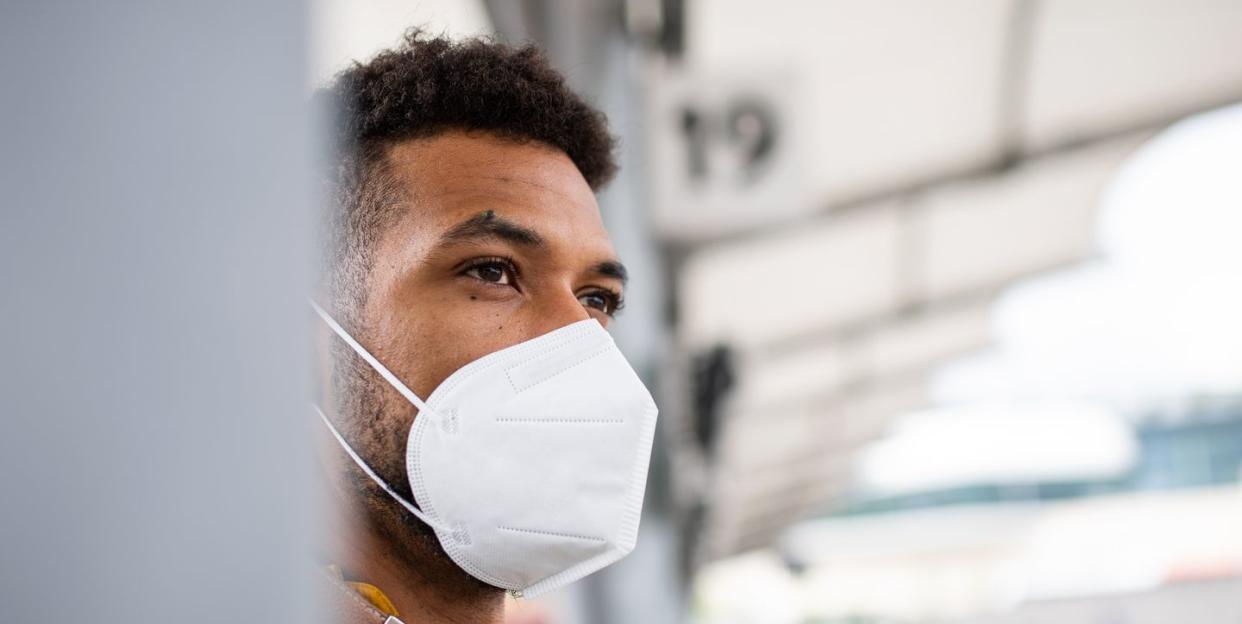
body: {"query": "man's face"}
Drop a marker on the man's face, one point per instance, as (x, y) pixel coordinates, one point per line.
(501, 242)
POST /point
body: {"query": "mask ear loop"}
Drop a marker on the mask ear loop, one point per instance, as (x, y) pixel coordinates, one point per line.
(375, 364)
(418, 513)
(423, 411)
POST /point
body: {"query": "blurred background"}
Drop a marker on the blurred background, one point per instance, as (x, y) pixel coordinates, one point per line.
(940, 300)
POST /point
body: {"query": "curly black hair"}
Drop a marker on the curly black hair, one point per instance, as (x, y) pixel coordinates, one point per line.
(426, 86)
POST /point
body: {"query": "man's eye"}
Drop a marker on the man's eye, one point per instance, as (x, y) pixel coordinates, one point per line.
(493, 272)
(606, 302)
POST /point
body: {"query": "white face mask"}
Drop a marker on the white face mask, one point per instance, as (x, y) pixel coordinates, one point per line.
(529, 463)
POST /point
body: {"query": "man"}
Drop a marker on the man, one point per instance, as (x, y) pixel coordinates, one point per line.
(465, 244)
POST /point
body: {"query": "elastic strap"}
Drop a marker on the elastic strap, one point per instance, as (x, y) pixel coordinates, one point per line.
(366, 355)
(418, 513)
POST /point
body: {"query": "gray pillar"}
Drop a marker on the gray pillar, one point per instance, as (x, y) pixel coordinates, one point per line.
(155, 249)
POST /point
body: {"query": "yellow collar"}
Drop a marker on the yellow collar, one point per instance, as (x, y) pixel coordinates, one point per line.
(373, 594)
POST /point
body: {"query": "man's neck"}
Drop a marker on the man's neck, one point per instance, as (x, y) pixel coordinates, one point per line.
(435, 593)
(423, 584)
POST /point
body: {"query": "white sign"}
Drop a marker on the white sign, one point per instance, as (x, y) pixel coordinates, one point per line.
(725, 153)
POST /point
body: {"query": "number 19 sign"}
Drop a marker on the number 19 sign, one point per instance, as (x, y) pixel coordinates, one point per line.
(725, 154)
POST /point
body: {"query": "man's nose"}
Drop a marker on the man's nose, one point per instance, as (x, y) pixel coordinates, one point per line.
(556, 311)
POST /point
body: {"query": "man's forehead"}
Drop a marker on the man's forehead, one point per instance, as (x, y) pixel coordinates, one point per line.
(457, 177)
(453, 163)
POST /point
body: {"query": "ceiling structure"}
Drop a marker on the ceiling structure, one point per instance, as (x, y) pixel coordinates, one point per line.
(945, 151)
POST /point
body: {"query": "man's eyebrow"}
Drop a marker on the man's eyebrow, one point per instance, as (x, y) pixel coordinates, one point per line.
(487, 225)
(612, 268)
